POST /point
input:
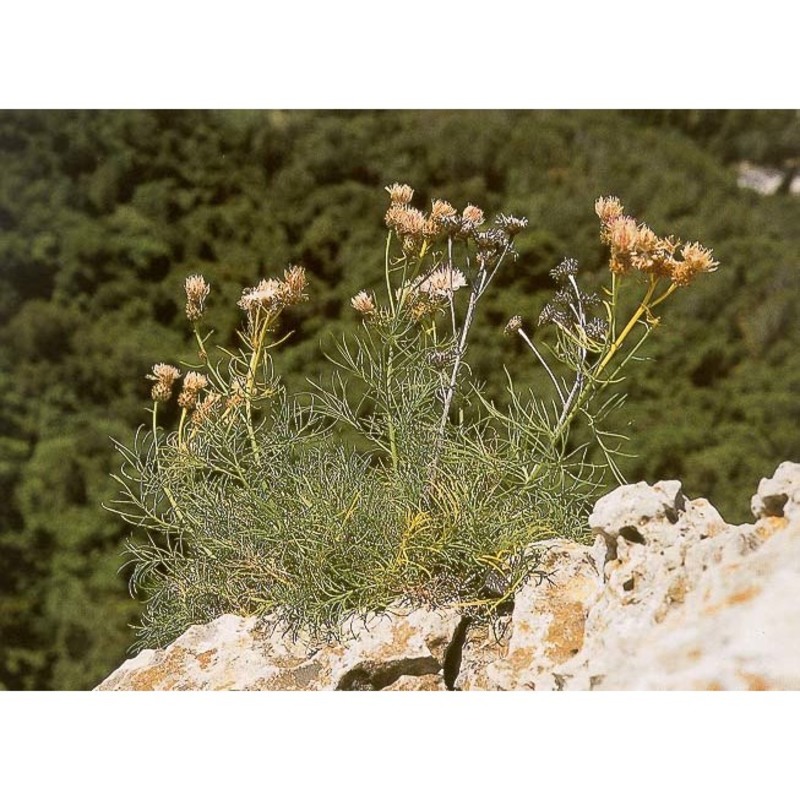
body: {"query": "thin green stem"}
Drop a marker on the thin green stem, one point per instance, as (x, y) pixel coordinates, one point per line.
(387, 275)
(200, 343)
(181, 423)
(392, 432)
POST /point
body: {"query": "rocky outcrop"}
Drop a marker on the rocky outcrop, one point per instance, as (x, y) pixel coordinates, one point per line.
(669, 596)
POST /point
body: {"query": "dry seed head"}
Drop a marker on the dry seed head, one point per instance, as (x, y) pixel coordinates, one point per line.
(161, 392)
(364, 304)
(165, 373)
(608, 209)
(400, 194)
(443, 282)
(623, 233)
(511, 225)
(566, 269)
(405, 221)
(696, 259)
(267, 295)
(513, 325)
(195, 382)
(646, 239)
(196, 293)
(451, 225)
(596, 329)
(294, 285)
(164, 376)
(432, 228)
(473, 215)
(441, 209)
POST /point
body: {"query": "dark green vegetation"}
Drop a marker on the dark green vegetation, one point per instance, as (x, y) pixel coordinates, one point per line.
(103, 215)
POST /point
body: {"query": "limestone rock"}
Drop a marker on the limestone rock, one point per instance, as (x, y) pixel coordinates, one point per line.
(546, 627)
(628, 508)
(779, 496)
(245, 653)
(670, 596)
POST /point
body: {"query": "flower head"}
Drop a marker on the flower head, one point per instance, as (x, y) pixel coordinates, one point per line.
(400, 194)
(405, 221)
(596, 329)
(294, 286)
(565, 270)
(513, 325)
(441, 209)
(267, 295)
(193, 384)
(364, 303)
(511, 225)
(442, 283)
(196, 293)
(608, 209)
(164, 376)
(696, 259)
(472, 215)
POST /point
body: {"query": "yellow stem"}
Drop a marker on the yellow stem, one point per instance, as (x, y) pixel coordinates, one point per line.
(643, 306)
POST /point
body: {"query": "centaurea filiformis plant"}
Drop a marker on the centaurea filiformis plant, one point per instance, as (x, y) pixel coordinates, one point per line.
(399, 480)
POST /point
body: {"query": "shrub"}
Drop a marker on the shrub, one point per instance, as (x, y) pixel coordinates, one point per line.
(397, 480)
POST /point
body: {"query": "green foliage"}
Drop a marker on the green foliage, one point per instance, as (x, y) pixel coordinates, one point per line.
(398, 480)
(103, 214)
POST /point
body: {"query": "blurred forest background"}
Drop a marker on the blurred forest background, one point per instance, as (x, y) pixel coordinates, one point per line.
(104, 214)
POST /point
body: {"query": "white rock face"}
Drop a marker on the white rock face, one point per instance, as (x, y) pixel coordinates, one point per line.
(246, 653)
(669, 597)
(780, 494)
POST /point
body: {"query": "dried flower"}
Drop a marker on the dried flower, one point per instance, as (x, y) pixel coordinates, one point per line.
(563, 298)
(443, 282)
(400, 194)
(364, 303)
(696, 259)
(511, 225)
(472, 215)
(267, 295)
(193, 384)
(164, 376)
(513, 325)
(566, 269)
(165, 373)
(294, 286)
(196, 293)
(440, 209)
(452, 224)
(552, 313)
(405, 221)
(596, 329)
(490, 246)
(608, 209)
(623, 233)
(431, 228)
(590, 301)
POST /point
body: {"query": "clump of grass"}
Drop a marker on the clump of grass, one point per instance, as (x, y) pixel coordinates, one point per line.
(254, 504)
